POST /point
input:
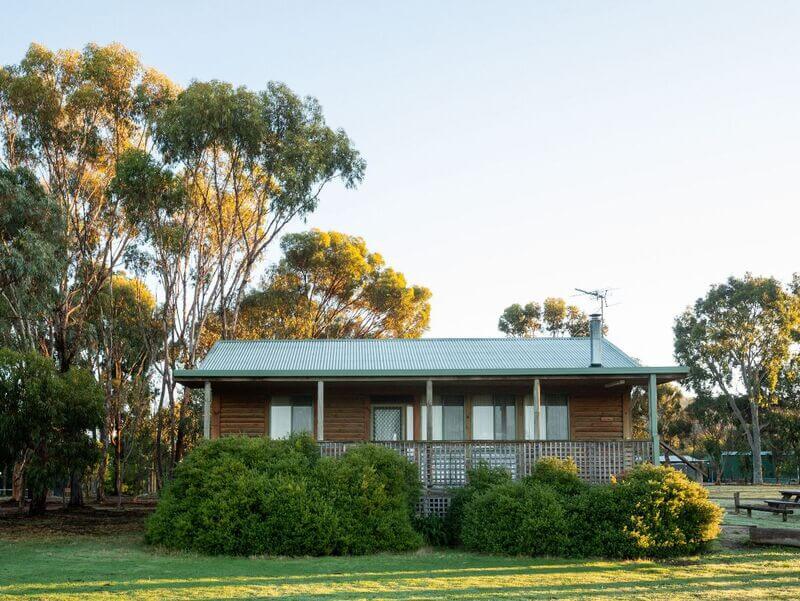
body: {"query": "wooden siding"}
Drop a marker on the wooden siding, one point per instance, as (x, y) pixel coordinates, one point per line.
(242, 412)
(346, 417)
(596, 414)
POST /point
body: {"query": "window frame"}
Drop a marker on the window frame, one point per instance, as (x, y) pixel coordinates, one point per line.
(291, 401)
(493, 401)
(442, 400)
(561, 396)
(403, 407)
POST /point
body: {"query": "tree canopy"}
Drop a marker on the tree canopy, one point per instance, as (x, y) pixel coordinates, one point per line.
(45, 418)
(736, 340)
(554, 318)
(32, 252)
(329, 285)
(128, 173)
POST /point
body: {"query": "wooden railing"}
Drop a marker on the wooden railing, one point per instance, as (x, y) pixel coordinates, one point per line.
(444, 464)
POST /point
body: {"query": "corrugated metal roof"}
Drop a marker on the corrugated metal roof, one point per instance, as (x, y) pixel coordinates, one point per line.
(432, 356)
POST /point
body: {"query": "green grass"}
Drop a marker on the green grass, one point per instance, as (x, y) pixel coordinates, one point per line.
(723, 495)
(103, 567)
(100, 555)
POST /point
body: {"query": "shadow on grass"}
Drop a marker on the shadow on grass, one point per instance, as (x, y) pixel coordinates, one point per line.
(604, 579)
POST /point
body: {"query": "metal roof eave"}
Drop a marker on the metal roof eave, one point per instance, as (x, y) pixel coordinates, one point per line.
(675, 372)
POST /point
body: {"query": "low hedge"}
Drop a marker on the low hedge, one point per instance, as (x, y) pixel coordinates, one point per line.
(479, 479)
(254, 496)
(650, 512)
(515, 519)
(559, 474)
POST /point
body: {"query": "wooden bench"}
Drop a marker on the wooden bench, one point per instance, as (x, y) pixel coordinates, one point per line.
(781, 503)
(784, 510)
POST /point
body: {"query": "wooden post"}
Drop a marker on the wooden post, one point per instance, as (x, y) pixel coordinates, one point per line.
(539, 432)
(207, 410)
(652, 397)
(429, 410)
(320, 410)
(736, 501)
(429, 433)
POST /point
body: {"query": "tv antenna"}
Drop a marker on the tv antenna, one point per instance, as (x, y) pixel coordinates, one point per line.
(600, 295)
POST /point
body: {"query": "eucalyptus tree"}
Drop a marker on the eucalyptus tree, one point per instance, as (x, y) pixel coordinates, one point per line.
(329, 285)
(123, 345)
(554, 318)
(68, 116)
(234, 168)
(736, 340)
(32, 252)
(520, 321)
(44, 419)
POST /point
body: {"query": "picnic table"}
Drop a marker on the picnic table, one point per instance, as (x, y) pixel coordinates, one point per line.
(782, 503)
(789, 495)
(781, 507)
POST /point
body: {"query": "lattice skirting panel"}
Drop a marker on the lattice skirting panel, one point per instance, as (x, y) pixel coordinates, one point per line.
(433, 502)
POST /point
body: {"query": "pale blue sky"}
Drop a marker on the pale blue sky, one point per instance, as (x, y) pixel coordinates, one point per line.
(518, 150)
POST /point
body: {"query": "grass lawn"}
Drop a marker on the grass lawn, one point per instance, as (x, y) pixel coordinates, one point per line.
(91, 567)
(723, 495)
(67, 557)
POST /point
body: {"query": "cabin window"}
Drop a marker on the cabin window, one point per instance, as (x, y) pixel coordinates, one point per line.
(392, 417)
(290, 415)
(387, 423)
(448, 417)
(555, 412)
(494, 417)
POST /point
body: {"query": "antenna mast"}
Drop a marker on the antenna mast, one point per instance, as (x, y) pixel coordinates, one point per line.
(600, 295)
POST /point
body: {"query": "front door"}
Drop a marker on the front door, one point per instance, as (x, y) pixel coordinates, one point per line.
(387, 423)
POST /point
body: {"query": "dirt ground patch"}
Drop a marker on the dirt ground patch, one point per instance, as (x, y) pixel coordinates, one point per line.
(90, 521)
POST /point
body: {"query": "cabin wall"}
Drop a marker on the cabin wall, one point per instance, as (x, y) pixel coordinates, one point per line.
(239, 412)
(595, 412)
(346, 416)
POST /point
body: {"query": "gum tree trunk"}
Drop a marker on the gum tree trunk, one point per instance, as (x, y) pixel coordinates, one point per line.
(758, 473)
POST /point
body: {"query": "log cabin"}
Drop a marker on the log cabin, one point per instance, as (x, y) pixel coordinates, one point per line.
(446, 404)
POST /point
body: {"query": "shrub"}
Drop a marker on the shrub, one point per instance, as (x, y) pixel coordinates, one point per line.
(559, 474)
(479, 479)
(246, 496)
(650, 512)
(433, 530)
(516, 519)
(374, 491)
(597, 521)
(669, 513)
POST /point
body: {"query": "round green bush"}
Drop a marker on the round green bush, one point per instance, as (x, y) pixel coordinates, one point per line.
(479, 479)
(253, 496)
(559, 474)
(669, 513)
(515, 519)
(597, 524)
(374, 492)
(650, 512)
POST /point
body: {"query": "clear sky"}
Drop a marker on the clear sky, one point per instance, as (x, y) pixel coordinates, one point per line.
(518, 150)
